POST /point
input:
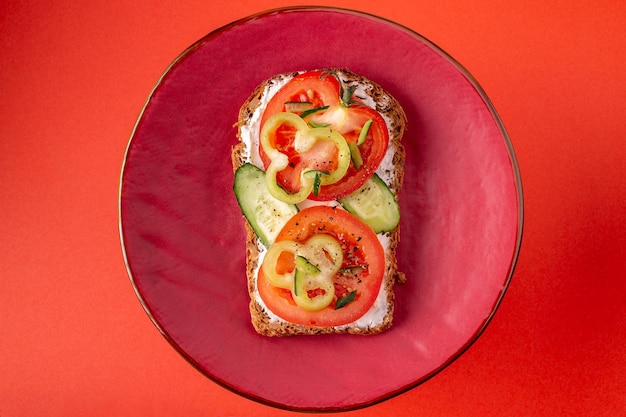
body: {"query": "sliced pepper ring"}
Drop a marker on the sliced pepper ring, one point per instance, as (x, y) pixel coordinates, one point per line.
(335, 159)
(311, 283)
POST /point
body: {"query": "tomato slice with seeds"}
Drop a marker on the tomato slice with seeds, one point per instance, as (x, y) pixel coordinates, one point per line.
(362, 269)
(316, 96)
(372, 152)
(318, 88)
(313, 157)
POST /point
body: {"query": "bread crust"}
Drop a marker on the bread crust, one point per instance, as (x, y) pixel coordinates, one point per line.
(264, 321)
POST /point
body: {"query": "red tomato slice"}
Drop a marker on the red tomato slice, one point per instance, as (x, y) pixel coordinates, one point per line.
(322, 89)
(372, 153)
(362, 270)
(316, 87)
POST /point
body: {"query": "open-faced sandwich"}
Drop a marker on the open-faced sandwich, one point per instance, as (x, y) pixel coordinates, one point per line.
(318, 169)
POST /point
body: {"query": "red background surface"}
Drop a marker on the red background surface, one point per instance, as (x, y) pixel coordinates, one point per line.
(74, 338)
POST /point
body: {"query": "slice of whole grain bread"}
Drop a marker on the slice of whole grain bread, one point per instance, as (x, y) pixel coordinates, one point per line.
(266, 322)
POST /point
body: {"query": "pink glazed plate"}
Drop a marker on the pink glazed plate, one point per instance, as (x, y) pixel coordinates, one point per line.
(183, 234)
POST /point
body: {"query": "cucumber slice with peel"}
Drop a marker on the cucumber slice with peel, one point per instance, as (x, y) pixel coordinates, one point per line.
(374, 204)
(266, 214)
(307, 267)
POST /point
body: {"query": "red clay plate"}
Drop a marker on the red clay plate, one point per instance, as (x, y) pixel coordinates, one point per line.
(183, 235)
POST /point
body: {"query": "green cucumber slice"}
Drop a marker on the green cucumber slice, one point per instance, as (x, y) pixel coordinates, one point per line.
(298, 284)
(310, 111)
(355, 155)
(266, 214)
(298, 106)
(364, 132)
(345, 300)
(374, 204)
(305, 266)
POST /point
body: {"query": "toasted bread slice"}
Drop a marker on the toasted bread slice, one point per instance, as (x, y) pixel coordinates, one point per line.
(391, 170)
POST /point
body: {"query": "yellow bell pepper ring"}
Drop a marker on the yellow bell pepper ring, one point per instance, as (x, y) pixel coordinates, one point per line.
(316, 262)
(270, 263)
(305, 139)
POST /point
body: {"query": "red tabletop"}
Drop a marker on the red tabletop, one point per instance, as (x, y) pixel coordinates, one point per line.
(75, 338)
